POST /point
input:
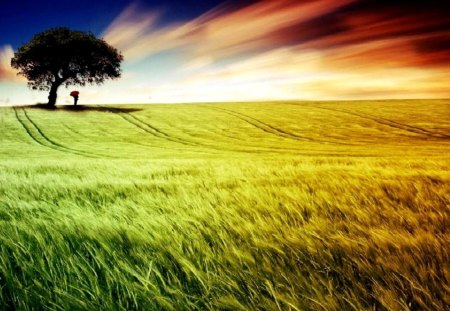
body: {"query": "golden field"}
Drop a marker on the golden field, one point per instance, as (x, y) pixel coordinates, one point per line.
(233, 206)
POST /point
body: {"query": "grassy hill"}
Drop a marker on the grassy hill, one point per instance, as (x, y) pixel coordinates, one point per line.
(263, 206)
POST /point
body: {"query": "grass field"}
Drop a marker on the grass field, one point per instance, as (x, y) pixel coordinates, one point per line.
(245, 206)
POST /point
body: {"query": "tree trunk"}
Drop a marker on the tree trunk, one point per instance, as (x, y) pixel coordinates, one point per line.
(52, 96)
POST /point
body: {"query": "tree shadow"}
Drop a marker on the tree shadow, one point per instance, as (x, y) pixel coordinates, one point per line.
(82, 108)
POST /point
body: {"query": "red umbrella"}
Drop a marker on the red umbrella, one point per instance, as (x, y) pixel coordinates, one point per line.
(74, 93)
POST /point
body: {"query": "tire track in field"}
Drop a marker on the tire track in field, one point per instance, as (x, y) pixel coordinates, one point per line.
(78, 134)
(262, 125)
(63, 147)
(70, 129)
(42, 139)
(150, 129)
(30, 134)
(390, 123)
(137, 122)
(160, 134)
(274, 130)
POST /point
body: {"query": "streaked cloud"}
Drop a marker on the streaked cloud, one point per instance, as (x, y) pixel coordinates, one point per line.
(283, 49)
(218, 33)
(288, 49)
(289, 74)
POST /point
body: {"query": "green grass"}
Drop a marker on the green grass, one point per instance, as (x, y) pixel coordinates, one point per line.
(246, 206)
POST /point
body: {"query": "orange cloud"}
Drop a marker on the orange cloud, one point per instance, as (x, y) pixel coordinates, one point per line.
(7, 73)
(293, 49)
(291, 73)
(217, 33)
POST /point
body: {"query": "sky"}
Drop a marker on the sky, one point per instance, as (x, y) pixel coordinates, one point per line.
(209, 50)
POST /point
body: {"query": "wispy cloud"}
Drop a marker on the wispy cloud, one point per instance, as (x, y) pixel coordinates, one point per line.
(294, 49)
(284, 49)
(7, 73)
(218, 33)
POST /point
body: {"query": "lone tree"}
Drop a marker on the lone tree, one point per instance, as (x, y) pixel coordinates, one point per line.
(60, 56)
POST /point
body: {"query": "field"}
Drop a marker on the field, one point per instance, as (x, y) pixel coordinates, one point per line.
(243, 206)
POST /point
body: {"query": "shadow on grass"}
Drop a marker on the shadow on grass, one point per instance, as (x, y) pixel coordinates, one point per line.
(82, 108)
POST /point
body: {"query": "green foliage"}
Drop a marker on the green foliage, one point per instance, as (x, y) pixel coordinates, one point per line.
(60, 56)
(277, 206)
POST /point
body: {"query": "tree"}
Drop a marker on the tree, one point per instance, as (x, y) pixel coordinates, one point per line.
(60, 56)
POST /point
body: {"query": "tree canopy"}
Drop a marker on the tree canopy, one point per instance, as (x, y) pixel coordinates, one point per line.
(60, 56)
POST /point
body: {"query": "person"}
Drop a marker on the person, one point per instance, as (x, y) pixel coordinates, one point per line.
(75, 94)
